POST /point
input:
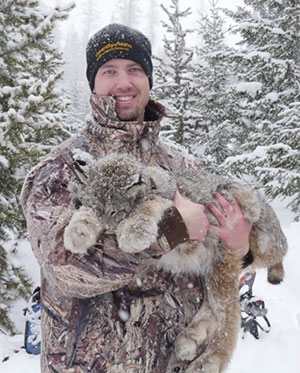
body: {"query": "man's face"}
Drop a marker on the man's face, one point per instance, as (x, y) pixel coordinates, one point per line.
(128, 83)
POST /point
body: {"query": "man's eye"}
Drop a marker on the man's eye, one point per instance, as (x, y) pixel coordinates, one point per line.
(136, 69)
(109, 72)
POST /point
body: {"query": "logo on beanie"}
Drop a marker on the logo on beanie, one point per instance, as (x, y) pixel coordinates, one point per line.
(119, 45)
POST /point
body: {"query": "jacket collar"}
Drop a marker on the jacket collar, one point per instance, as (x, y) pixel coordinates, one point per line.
(106, 126)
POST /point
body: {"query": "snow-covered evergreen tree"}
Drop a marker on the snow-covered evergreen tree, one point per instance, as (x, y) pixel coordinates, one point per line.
(215, 128)
(91, 23)
(31, 120)
(75, 82)
(153, 23)
(128, 12)
(284, 181)
(268, 70)
(173, 76)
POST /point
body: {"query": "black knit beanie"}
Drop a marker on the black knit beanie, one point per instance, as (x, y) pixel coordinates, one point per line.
(117, 41)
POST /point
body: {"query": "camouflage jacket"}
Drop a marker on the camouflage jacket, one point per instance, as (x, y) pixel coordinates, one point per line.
(107, 311)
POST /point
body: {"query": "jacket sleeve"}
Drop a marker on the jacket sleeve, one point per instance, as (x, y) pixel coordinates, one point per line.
(173, 227)
(46, 204)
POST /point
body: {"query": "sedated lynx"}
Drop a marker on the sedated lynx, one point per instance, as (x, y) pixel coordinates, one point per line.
(129, 199)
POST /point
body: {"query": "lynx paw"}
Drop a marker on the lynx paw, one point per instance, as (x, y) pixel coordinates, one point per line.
(136, 234)
(185, 348)
(192, 337)
(209, 366)
(82, 232)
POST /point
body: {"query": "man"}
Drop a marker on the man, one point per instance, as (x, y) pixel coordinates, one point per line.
(110, 311)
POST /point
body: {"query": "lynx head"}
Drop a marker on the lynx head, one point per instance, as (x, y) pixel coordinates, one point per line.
(115, 185)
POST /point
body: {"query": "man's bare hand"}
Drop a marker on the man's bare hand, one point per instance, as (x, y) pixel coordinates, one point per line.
(193, 216)
(234, 229)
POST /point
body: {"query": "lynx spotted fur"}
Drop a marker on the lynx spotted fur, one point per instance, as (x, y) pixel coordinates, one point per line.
(123, 197)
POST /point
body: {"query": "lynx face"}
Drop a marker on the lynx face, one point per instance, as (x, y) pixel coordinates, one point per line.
(115, 187)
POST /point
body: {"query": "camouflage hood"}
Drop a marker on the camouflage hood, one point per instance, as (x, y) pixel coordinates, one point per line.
(124, 135)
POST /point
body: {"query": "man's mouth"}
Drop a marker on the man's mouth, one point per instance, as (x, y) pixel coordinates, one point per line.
(123, 98)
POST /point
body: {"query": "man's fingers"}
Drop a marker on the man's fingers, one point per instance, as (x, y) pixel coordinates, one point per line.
(225, 204)
(217, 213)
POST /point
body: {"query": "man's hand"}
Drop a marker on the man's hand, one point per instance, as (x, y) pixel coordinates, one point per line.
(193, 216)
(234, 229)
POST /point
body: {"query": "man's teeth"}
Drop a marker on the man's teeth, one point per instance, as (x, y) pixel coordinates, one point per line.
(124, 98)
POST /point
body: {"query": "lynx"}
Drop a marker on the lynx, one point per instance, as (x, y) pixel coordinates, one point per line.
(122, 196)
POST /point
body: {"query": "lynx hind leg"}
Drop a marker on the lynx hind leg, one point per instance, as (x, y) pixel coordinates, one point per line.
(212, 365)
(223, 298)
(82, 231)
(139, 230)
(190, 339)
(276, 273)
(218, 349)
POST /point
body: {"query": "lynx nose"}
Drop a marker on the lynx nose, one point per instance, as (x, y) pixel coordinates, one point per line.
(152, 184)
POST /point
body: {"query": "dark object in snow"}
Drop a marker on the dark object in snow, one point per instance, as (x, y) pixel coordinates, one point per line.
(7, 357)
(32, 339)
(252, 308)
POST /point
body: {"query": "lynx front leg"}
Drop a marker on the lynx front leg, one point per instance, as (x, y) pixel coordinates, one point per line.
(140, 229)
(82, 231)
(136, 233)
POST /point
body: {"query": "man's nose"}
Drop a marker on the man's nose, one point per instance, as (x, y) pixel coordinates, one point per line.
(124, 81)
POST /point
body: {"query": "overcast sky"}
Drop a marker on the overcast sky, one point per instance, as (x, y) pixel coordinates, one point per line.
(74, 23)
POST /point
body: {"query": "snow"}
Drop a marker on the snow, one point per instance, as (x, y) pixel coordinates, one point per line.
(4, 162)
(277, 30)
(252, 88)
(272, 96)
(276, 352)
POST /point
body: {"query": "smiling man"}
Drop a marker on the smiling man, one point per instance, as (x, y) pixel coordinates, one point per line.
(110, 311)
(128, 84)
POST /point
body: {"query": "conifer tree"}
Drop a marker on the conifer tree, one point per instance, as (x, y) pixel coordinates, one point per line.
(215, 128)
(153, 23)
(75, 82)
(31, 121)
(127, 12)
(174, 76)
(74, 78)
(268, 70)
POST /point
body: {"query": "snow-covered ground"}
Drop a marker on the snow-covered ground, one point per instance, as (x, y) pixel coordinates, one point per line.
(276, 352)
